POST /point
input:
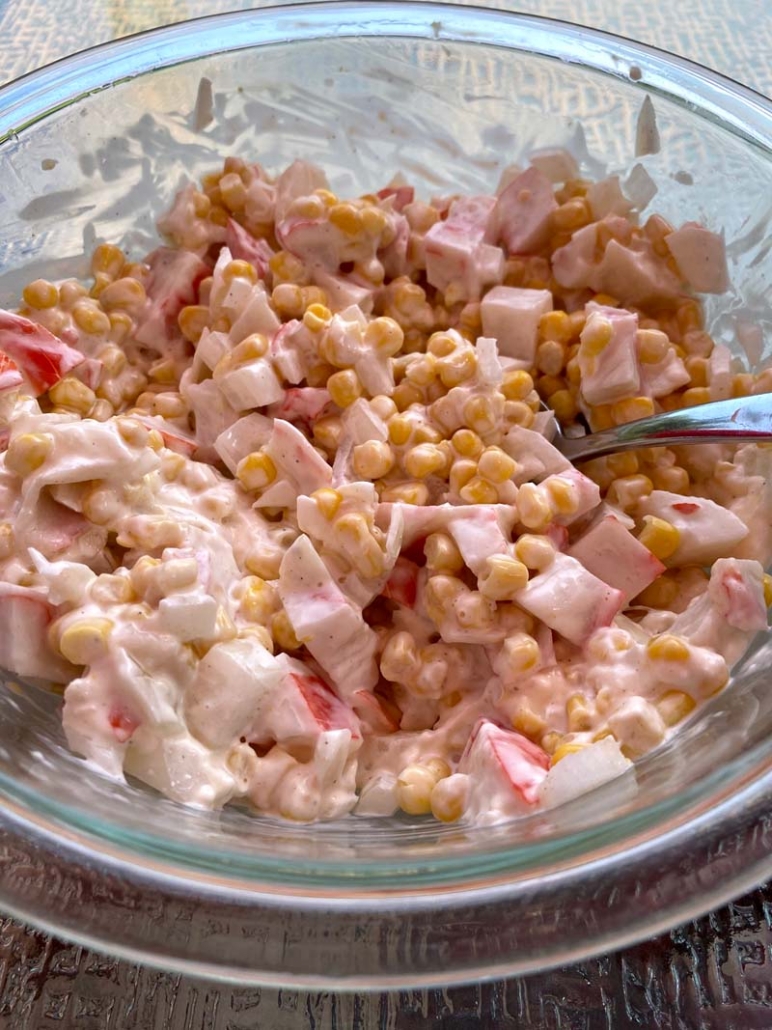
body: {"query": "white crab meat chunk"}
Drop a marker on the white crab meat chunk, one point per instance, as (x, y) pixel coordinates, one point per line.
(325, 620)
(580, 772)
(612, 373)
(552, 597)
(505, 773)
(610, 551)
(523, 213)
(706, 530)
(511, 316)
(700, 256)
(457, 253)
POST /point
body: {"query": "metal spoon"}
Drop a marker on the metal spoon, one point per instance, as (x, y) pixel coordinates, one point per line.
(736, 420)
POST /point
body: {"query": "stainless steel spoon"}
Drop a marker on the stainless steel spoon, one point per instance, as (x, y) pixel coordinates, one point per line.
(733, 421)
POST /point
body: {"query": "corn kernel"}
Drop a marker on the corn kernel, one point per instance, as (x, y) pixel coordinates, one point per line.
(286, 268)
(695, 395)
(473, 610)
(550, 742)
(562, 750)
(578, 714)
(256, 471)
(328, 501)
(327, 432)
(480, 415)
(385, 336)
(528, 723)
(449, 798)
(653, 346)
(626, 492)
(372, 459)
(467, 443)
(90, 318)
(424, 433)
(126, 294)
(317, 317)
(457, 367)
(596, 336)
(85, 640)
(108, 260)
(516, 385)
(623, 464)
(478, 491)
(742, 384)
(192, 321)
(6, 540)
(767, 589)
(259, 600)
(424, 460)
(283, 633)
(441, 345)
(400, 429)
(517, 413)
(563, 403)
(674, 706)
(502, 577)
(535, 552)
(414, 789)
(399, 659)
(668, 648)
(534, 510)
(442, 554)
(383, 406)
(659, 536)
(631, 409)
(674, 479)
(287, 300)
(346, 218)
(563, 495)
(461, 474)
(440, 593)
(495, 465)
(406, 493)
(405, 395)
(28, 452)
(344, 387)
(71, 393)
(40, 295)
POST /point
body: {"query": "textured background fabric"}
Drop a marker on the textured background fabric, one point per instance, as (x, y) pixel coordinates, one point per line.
(714, 973)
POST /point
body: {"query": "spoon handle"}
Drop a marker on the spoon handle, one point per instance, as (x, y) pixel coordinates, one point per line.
(732, 421)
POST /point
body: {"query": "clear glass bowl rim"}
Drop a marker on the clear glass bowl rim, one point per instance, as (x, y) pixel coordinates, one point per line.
(702, 819)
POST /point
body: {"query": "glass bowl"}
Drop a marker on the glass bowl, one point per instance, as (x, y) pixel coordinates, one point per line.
(93, 148)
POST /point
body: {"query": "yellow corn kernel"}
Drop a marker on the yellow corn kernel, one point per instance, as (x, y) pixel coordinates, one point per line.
(107, 260)
(113, 359)
(440, 594)
(441, 553)
(689, 316)
(467, 443)
(344, 387)
(424, 433)
(742, 384)
(405, 395)
(555, 325)
(623, 464)
(233, 192)
(478, 491)
(653, 346)
(674, 706)
(528, 723)
(126, 294)
(516, 385)
(309, 207)
(71, 393)
(457, 367)
(90, 318)
(578, 713)
(372, 459)
(534, 510)
(535, 552)
(346, 218)
(596, 336)
(414, 789)
(631, 409)
(327, 432)
(480, 415)
(462, 472)
(659, 536)
(265, 564)
(551, 357)
(286, 268)
(517, 413)
(383, 406)
(385, 336)
(562, 750)
(192, 321)
(422, 371)
(359, 543)
(40, 295)
(259, 600)
(170, 405)
(327, 197)
(259, 633)
(283, 633)
(399, 659)
(662, 593)
(28, 452)
(6, 539)
(767, 589)
(328, 501)
(473, 610)
(238, 269)
(256, 471)
(406, 493)
(563, 496)
(441, 345)
(426, 459)
(550, 741)
(85, 640)
(668, 648)
(695, 395)
(400, 429)
(449, 797)
(674, 479)
(626, 492)
(374, 220)
(108, 589)
(563, 403)
(317, 317)
(287, 300)
(502, 577)
(495, 465)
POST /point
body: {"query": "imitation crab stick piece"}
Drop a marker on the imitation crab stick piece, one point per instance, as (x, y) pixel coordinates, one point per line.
(42, 358)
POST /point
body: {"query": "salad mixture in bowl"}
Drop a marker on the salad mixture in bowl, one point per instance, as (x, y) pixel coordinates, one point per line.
(281, 513)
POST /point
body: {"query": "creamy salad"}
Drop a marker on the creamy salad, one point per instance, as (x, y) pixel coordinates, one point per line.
(281, 511)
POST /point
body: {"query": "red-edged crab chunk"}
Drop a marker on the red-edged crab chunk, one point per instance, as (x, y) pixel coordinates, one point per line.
(701, 529)
(552, 594)
(459, 260)
(505, 773)
(41, 358)
(175, 276)
(326, 621)
(610, 551)
(522, 216)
